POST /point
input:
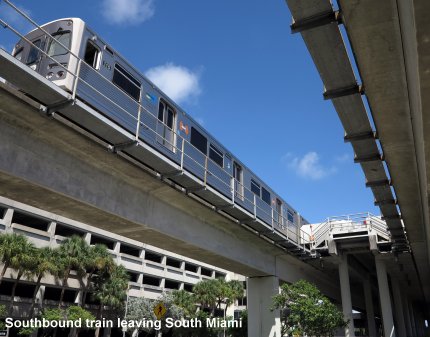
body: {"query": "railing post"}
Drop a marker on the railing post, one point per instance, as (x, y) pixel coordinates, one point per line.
(182, 154)
(255, 207)
(206, 170)
(138, 122)
(75, 83)
(233, 189)
(273, 220)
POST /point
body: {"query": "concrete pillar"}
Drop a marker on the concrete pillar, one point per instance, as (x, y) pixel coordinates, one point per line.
(407, 315)
(346, 295)
(385, 298)
(262, 322)
(370, 312)
(398, 307)
(7, 220)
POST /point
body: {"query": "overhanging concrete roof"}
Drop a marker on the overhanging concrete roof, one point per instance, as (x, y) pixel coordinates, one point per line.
(391, 45)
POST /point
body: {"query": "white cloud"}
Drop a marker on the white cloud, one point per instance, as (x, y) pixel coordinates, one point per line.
(129, 12)
(179, 83)
(345, 158)
(308, 166)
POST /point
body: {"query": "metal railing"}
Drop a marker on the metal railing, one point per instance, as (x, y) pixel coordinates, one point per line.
(237, 190)
(349, 223)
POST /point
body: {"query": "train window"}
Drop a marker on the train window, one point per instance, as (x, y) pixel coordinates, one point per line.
(18, 54)
(265, 195)
(92, 54)
(255, 188)
(199, 141)
(216, 155)
(165, 126)
(59, 40)
(126, 82)
(34, 53)
(290, 216)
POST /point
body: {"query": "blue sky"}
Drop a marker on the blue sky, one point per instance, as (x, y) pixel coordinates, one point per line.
(235, 67)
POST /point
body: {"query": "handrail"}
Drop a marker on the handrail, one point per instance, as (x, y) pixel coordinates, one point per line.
(283, 226)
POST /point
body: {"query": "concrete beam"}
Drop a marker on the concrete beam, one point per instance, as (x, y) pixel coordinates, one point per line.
(48, 165)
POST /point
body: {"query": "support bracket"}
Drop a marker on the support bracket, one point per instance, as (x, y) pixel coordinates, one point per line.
(378, 183)
(392, 217)
(50, 109)
(317, 20)
(385, 202)
(122, 146)
(372, 157)
(352, 137)
(345, 91)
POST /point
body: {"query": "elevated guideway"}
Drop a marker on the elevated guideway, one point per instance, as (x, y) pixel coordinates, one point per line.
(389, 41)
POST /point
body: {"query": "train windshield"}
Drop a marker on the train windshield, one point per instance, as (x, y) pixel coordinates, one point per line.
(34, 53)
(56, 46)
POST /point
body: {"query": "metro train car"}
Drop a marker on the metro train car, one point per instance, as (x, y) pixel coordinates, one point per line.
(74, 57)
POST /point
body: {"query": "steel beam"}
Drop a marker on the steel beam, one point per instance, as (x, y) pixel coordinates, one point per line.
(378, 183)
(372, 157)
(315, 21)
(345, 91)
(360, 136)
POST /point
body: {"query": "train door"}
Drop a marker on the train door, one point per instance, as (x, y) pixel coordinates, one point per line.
(165, 125)
(91, 50)
(238, 180)
(278, 215)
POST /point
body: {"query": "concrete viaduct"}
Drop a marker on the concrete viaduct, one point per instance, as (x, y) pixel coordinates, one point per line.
(50, 163)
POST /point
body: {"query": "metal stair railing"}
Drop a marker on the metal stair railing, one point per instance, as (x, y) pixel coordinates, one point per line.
(321, 234)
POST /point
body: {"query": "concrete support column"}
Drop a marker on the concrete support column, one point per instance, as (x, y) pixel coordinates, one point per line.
(385, 298)
(346, 295)
(407, 315)
(262, 322)
(398, 306)
(40, 296)
(370, 312)
(7, 220)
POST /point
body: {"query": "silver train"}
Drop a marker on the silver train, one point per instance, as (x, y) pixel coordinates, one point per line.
(114, 88)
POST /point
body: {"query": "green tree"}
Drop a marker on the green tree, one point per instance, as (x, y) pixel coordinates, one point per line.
(206, 293)
(141, 308)
(45, 263)
(2, 316)
(75, 313)
(23, 263)
(186, 301)
(49, 315)
(243, 331)
(110, 289)
(72, 254)
(99, 260)
(214, 293)
(10, 246)
(306, 310)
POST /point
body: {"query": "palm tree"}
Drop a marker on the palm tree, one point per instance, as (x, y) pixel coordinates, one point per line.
(45, 263)
(186, 301)
(99, 259)
(10, 245)
(72, 254)
(206, 293)
(110, 289)
(24, 263)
